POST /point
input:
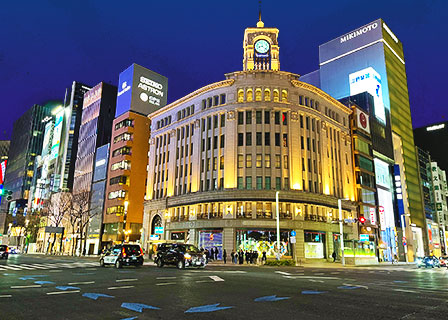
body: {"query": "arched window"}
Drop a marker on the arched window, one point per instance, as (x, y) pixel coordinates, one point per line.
(267, 94)
(249, 95)
(258, 94)
(276, 96)
(156, 222)
(284, 96)
(241, 95)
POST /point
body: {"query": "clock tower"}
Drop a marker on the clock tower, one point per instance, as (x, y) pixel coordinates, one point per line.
(261, 48)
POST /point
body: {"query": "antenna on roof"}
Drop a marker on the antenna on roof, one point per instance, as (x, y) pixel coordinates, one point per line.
(259, 10)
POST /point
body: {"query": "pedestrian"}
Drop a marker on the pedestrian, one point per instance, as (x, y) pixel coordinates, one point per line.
(232, 256)
(212, 254)
(333, 255)
(247, 256)
(224, 256)
(263, 257)
(241, 257)
(207, 255)
(216, 253)
(256, 257)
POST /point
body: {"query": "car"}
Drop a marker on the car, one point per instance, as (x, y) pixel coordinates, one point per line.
(181, 255)
(428, 262)
(122, 255)
(443, 261)
(4, 251)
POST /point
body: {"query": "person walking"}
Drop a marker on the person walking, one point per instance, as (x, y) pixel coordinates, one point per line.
(224, 256)
(263, 257)
(333, 255)
(241, 257)
(216, 253)
(232, 256)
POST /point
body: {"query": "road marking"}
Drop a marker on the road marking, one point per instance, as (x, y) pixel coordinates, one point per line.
(55, 271)
(404, 290)
(216, 278)
(125, 280)
(38, 266)
(85, 282)
(62, 292)
(283, 273)
(165, 278)
(30, 286)
(91, 269)
(23, 267)
(5, 296)
(312, 280)
(310, 277)
(355, 285)
(165, 283)
(120, 287)
(202, 281)
(11, 268)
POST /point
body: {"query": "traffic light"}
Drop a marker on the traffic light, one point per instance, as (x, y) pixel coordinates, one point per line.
(362, 219)
(6, 193)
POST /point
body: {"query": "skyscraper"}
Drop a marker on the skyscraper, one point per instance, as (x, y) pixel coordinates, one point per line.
(371, 59)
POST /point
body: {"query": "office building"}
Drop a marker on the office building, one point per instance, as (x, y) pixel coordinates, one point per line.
(434, 139)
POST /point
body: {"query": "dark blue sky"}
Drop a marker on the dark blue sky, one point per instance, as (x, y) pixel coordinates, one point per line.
(46, 44)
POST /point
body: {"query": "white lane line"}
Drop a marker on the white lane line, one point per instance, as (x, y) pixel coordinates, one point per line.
(62, 292)
(125, 280)
(165, 278)
(121, 287)
(23, 267)
(312, 280)
(216, 278)
(55, 271)
(5, 296)
(165, 283)
(310, 277)
(30, 286)
(283, 273)
(355, 285)
(85, 282)
(404, 290)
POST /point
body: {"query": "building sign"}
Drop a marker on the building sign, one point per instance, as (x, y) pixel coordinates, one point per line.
(158, 230)
(359, 32)
(141, 90)
(435, 127)
(382, 218)
(362, 120)
(46, 146)
(3, 171)
(56, 141)
(92, 95)
(154, 237)
(372, 216)
(382, 174)
(368, 80)
(363, 237)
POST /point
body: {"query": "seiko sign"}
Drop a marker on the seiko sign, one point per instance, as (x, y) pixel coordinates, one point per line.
(359, 32)
(362, 121)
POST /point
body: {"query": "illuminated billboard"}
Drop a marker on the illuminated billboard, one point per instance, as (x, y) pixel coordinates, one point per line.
(368, 80)
(47, 138)
(57, 134)
(382, 173)
(141, 90)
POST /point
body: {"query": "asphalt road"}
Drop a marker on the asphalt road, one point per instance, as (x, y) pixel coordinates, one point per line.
(39, 287)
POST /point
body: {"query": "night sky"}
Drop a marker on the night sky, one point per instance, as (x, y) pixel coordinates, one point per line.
(45, 45)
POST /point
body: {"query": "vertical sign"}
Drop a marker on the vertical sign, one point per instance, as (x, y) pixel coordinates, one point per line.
(382, 218)
(372, 216)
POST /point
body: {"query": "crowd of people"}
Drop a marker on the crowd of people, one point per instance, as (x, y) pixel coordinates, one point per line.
(236, 257)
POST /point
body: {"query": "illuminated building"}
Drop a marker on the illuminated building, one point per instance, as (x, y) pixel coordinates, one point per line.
(26, 144)
(370, 59)
(141, 91)
(434, 139)
(218, 155)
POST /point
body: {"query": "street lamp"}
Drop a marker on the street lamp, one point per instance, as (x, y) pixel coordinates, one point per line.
(341, 230)
(125, 215)
(278, 224)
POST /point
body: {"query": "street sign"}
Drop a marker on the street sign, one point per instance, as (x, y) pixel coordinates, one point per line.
(158, 230)
(363, 237)
(154, 237)
(293, 233)
(292, 239)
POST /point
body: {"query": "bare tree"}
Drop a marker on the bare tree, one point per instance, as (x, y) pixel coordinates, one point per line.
(82, 214)
(55, 208)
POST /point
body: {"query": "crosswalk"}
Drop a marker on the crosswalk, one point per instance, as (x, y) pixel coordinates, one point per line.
(47, 266)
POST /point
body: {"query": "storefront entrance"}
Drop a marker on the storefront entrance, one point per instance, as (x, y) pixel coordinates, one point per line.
(315, 247)
(209, 239)
(263, 241)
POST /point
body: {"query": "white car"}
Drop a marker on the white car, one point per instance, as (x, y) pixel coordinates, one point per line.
(122, 255)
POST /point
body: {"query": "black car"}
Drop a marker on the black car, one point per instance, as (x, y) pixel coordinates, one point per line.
(122, 255)
(4, 251)
(181, 255)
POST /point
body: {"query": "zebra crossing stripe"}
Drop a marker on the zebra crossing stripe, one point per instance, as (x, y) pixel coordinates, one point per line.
(10, 268)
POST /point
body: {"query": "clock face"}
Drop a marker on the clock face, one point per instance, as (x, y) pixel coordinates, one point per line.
(262, 46)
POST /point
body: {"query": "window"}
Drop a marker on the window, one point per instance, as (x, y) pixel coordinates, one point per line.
(209, 123)
(267, 160)
(240, 140)
(240, 161)
(267, 138)
(221, 145)
(301, 121)
(248, 182)
(258, 116)
(115, 210)
(277, 139)
(122, 165)
(124, 123)
(221, 162)
(278, 183)
(278, 161)
(209, 143)
(222, 98)
(259, 183)
(259, 139)
(284, 118)
(240, 117)
(286, 183)
(223, 121)
(258, 94)
(277, 117)
(215, 121)
(285, 139)
(284, 96)
(215, 163)
(119, 194)
(308, 144)
(123, 137)
(241, 95)
(248, 117)
(215, 100)
(121, 151)
(267, 183)
(215, 142)
(240, 183)
(209, 102)
(248, 138)
(249, 95)
(259, 161)
(301, 100)
(285, 161)
(248, 161)
(276, 95)
(118, 180)
(267, 117)
(302, 143)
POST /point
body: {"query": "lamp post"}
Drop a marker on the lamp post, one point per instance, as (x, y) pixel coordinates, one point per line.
(278, 224)
(125, 215)
(341, 230)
